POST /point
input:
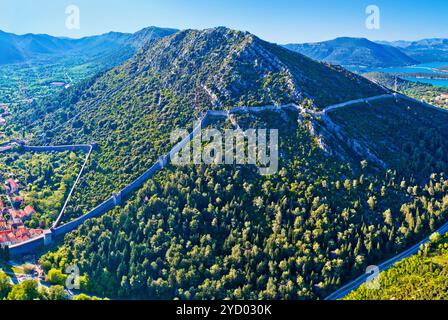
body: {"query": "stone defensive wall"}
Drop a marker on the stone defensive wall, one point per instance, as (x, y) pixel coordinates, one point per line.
(118, 198)
(85, 148)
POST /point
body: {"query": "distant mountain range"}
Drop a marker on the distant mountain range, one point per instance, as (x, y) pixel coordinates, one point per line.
(354, 52)
(426, 50)
(20, 48)
(363, 52)
(118, 47)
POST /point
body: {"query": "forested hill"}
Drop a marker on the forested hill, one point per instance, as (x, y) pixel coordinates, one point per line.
(131, 110)
(354, 52)
(425, 50)
(225, 232)
(237, 68)
(23, 48)
(187, 73)
(204, 232)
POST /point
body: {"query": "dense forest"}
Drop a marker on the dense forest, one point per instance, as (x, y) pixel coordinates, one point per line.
(420, 277)
(207, 232)
(30, 290)
(131, 110)
(204, 232)
(356, 185)
(44, 180)
(405, 136)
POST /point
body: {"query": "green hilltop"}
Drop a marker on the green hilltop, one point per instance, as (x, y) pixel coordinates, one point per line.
(207, 232)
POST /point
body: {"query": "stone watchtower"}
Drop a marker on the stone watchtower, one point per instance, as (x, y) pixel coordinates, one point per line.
(48, 237)
(118, 198)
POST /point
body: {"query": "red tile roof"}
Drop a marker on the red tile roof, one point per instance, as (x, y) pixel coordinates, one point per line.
(12, 184)
(29, 210)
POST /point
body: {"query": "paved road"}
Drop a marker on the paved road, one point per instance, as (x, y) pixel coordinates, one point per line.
(355, 284)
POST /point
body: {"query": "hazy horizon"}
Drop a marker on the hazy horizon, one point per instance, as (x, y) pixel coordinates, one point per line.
(281, 21)
(167, 27)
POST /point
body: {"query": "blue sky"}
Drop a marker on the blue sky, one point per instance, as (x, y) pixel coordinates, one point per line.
(281, 21)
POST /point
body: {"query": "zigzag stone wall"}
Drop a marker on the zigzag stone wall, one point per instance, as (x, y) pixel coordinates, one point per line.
(85, 148)
(26, 247)
(106, 206)
(117, 198)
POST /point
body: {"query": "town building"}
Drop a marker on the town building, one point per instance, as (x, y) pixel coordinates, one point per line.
(12, 227)
(11, 186)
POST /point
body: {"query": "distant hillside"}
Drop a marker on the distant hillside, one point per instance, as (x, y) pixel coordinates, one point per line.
(20, 48)
(397, 44)
(418, 90)
(426, 50)
(354, 52)
(389, 81)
